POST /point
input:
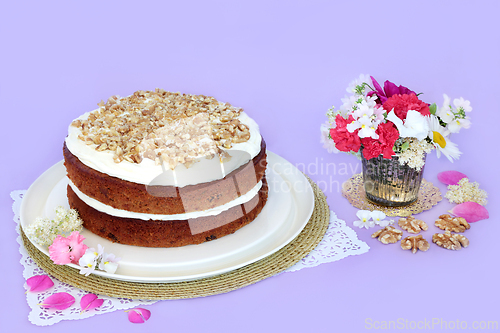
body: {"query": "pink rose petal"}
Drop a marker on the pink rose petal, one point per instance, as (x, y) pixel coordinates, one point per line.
(59, 301)
(470, 211)
(451, 177)
(138, 315)
(90, 301)
(39, 283)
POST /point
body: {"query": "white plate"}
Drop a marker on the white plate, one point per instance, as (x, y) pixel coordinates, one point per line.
(288, 209)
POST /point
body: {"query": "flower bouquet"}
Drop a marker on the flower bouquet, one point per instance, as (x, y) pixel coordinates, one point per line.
(392, 130)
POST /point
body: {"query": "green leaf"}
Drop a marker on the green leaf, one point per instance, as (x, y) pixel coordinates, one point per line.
(433, 108)
(405, 146)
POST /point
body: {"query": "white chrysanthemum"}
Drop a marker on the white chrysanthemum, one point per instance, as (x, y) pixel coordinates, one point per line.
(440, 138)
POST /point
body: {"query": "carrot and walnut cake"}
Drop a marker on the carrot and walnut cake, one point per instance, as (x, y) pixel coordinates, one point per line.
(163, 169)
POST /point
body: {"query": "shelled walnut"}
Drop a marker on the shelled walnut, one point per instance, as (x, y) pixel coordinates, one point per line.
(450, 241)
(388, 235)
(412, 225)
(159, 124)
(455, 224)
(415, 243)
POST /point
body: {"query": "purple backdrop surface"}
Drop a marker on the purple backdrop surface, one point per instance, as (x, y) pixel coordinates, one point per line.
(285, 63)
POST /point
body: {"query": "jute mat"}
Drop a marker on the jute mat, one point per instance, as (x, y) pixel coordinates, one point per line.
(304, 243)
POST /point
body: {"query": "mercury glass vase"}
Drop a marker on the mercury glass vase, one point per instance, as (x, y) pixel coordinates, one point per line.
(388, 183)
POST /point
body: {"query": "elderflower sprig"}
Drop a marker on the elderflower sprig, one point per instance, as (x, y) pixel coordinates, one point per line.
(413, 152)
(44, 230)
(466, 191)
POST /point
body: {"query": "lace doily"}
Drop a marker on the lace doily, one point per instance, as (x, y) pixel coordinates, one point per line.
(428, 196)
(339, 242)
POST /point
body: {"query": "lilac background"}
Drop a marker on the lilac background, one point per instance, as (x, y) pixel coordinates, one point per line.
(285, 63)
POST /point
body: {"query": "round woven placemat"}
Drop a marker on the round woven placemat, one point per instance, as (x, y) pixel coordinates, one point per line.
(292, 253)
(428, 196)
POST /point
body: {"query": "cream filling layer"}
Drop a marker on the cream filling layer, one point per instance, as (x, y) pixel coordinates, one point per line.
(147, 172)
(163, 217)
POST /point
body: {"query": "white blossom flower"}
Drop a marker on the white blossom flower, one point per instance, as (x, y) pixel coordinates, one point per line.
(93, 259)
(365, 219)
(457, 124)
(348, 103)
(109, 263)
(377, 216)
(88, 261)
(363, 110)
(366, 127)
(385, 223)
(325, 139)
(357, 86)
(462, 105)
(446, 112)
(414, 126)
(439, 136)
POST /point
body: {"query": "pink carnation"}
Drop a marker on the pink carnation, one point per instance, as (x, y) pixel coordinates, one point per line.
(387, 136)
(344, 140)
(401, 104)
(67, 250)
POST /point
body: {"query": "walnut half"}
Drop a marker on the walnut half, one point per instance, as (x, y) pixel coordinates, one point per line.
(455, 224)
(415, 243)
(450, 241)
(412, 225)
(388, 235)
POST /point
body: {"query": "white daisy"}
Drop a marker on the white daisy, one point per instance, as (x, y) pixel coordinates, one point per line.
(440, 139)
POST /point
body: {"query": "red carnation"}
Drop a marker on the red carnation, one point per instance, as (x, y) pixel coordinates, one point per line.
(387, 136)
(402, 103)
(345, 140)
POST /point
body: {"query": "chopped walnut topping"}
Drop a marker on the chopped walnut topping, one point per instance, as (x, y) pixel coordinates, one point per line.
(412, 225)
(415, 243)
(159, 124)
(450, 241)
(455, 224)
(388, 235)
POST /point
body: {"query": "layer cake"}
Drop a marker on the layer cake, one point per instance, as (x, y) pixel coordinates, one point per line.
(162, 169)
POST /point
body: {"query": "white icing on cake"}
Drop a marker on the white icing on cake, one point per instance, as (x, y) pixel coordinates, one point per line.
(148, 171)
(186, 216)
